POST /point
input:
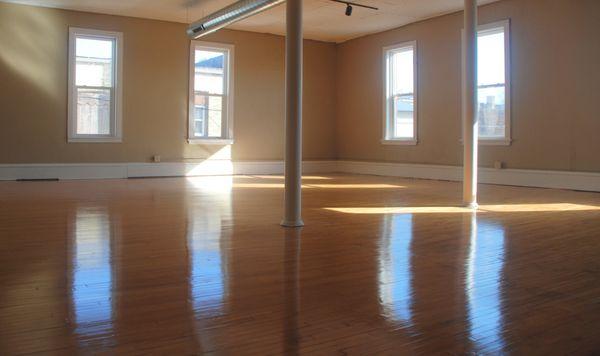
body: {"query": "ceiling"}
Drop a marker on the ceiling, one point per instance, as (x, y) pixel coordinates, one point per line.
(324, 20)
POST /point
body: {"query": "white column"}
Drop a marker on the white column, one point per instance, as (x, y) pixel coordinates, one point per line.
(470, 125)
(293, 115)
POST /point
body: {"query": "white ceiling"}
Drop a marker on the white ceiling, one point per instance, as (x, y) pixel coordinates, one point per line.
(323, 19)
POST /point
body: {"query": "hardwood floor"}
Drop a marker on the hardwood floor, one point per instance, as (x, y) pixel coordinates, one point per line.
(383, 266)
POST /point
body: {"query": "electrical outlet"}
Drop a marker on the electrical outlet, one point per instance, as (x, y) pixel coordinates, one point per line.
(498, 164)
(156, 158)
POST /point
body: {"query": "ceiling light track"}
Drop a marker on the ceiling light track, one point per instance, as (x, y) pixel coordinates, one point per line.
(349, 5)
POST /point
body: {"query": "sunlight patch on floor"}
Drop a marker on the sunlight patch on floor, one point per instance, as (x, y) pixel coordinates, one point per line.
(504, 208)
(280, 177)
(319, 186)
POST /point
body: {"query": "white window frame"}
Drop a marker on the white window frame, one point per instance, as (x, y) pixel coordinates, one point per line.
(116, 89)
(387, 125)
(228, 90)
(489, 27)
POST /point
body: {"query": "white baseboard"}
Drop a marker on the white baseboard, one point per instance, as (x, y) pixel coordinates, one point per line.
(389, 169)
(586, 181)
(164, 169)
(63, 171)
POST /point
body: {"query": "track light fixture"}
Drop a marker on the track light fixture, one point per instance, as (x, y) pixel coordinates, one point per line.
(350, 4)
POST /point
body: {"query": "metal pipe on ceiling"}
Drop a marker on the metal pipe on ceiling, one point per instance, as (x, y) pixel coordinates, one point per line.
(228, 15)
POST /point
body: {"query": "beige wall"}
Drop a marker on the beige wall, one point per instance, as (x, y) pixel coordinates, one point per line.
(555, 89)
(33, 91)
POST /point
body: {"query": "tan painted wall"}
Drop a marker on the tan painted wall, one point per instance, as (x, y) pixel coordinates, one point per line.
(555, 89)
(33, 91)
(555, 96)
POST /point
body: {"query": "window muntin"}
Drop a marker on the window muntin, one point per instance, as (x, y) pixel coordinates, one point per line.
(94, 91)
(210, 92)
(400, 93)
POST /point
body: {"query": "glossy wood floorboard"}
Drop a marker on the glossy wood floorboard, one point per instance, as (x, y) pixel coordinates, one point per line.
(383, 266)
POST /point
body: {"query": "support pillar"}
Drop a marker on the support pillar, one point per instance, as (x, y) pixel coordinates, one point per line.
(470, 124)
(293, 115)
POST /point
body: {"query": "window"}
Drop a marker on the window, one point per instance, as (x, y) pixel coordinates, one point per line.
(94, 85)
(400, 109)
(211, 93)
(493, 83)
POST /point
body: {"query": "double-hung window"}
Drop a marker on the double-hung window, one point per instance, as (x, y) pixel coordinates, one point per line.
(211, 93)
(95, 62)
(493, 83)
(400, 89)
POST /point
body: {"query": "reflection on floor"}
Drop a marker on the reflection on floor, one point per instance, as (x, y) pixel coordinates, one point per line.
(383, 265)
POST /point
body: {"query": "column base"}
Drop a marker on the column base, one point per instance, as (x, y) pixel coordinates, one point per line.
(293, 223)
(472, 206)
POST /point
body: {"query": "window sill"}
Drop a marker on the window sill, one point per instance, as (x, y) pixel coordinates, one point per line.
(210, 141)
(399, 142)
(94, 140)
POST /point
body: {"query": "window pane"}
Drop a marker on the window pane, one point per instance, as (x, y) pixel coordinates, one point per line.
(402, 69)
(491, 102)
(491, 83)
(215, 115)
(200, 113)
(404, 116)
(490, 50)
(208, 107)
(209, 72)
(94, 62)
(93, 111)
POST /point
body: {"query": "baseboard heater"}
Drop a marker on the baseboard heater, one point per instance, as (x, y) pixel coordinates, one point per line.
(152, 177)
(37, 179)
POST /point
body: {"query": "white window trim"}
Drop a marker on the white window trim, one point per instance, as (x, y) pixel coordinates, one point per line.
(117, 109)
(229, 90)
(507, 140)
(386, 140)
